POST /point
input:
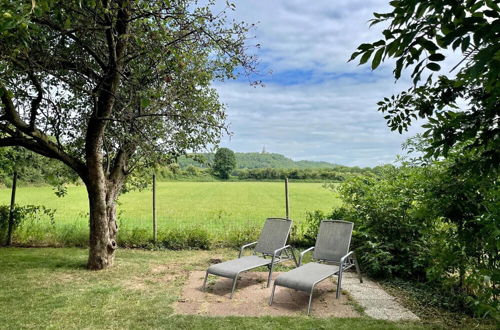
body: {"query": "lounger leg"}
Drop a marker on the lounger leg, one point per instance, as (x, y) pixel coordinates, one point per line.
(205, 282)
(339, 281)
(310, 300)
(234, 286)
(272, 295)
(270, 274)
(294, 258)
(357, 269)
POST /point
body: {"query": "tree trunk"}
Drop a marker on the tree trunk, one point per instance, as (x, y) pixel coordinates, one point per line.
(103, 226)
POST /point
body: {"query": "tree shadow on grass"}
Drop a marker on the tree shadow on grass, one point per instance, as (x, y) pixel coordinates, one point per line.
(49, 259)
(223, 286)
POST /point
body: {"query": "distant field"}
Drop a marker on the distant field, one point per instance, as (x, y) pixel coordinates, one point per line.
(217, 206)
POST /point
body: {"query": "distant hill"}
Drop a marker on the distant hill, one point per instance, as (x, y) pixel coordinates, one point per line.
(250, 160)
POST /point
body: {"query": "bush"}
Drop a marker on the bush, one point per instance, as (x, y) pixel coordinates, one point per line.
(237, 238)
(392, 235)
(22, 214)
(436, 223)
(304, 234)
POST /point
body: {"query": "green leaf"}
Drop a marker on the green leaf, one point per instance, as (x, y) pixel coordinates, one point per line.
(365, 57)
(354, 55)
(145, 102)
(392, 48)
(436, 57)
(365, 46)
(433, 66)
(465, 43)
(492, 4)
(421, 10)
(427, 44)
(377, 58)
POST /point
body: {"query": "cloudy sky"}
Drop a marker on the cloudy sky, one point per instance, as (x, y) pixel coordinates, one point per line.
(314, 105)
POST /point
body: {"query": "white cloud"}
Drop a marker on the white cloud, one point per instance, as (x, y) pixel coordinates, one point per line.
(320, 34)
(335, 121)
(315, 105)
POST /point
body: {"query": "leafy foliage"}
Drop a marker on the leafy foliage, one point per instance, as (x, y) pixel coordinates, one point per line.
(391, 232)
(33, 169)
(174, 51)
(253, 160)
(109, 86)
(294, 174)
(20, 215)
(417, 35)
(434, 222)
(224, 163)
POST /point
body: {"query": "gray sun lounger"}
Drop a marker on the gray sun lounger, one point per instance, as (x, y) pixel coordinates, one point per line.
(333, 256)
(270, 245)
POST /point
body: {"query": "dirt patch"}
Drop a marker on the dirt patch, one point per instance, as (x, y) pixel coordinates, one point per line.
(65, 278)
(251, 298)
(164, 273)
(135, 283)
(166, 268)
(168, 273)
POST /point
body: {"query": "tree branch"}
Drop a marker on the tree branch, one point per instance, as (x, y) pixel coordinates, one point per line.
(34, 139)
(35, 103)
(82, 44)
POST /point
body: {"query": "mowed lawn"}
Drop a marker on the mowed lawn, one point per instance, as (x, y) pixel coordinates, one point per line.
(212, 205)
(51, 289)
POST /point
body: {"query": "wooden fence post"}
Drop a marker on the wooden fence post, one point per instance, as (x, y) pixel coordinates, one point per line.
(286, 199)
(154, 209)
(11, 211)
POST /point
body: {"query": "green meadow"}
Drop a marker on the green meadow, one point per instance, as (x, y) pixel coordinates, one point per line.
(217, 207)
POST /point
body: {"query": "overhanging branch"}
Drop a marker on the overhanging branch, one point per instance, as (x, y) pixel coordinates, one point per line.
(33, 139)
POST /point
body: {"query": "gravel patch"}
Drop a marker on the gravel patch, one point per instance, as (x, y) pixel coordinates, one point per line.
(252, 296)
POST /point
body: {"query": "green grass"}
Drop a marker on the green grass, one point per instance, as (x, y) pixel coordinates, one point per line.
(50, 288)
(218, 207)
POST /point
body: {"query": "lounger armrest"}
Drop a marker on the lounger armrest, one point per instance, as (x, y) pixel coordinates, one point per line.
(343, 259)
(280, 249)
(245, 246)
(275, 253)
(303, 253)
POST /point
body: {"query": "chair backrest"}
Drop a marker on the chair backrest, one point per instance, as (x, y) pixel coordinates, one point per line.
(273, 236)
(334, 238)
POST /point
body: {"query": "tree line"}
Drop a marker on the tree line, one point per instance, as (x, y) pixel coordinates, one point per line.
(250, 160)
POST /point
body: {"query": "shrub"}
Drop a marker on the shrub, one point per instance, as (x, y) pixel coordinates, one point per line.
(435, 223)
(239, 237)
(192, 238)
(304, 233)
(391, 233)
(22, 214)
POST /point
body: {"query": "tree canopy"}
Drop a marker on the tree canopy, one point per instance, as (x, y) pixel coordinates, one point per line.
(224, 163)
(417, 37)
(108, 86)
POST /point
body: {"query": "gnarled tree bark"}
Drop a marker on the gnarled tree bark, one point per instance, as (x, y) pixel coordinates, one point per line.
(103, 225)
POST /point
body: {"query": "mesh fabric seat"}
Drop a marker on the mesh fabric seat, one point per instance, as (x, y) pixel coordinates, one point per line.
(271, 244)
(233, 267)
(332, 246)
(305, 277)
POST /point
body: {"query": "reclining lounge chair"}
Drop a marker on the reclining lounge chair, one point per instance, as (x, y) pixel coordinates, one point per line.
(270, 245)
(332, 250)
